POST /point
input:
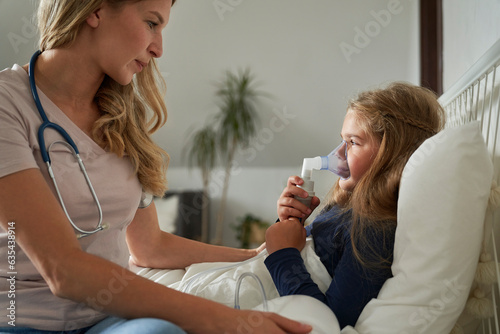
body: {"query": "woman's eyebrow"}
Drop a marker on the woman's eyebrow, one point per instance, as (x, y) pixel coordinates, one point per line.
(158, 15)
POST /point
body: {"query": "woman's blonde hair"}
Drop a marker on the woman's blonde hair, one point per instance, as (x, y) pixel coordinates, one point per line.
(130, 113)
(400, 117)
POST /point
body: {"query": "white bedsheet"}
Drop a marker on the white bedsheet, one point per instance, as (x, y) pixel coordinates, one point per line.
(217, 281)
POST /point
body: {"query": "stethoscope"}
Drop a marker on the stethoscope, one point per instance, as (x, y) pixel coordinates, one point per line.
(68, 143)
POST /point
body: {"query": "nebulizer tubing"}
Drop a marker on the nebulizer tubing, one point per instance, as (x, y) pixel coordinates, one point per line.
(335, 162)
(199, 275)
(261, 286)
(195, 277)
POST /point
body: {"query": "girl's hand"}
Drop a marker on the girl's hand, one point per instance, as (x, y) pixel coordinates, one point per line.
(289, 207)
(285, 234)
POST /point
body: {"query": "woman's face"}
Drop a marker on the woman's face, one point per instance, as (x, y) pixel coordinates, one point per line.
(127, 38)
(361, 150)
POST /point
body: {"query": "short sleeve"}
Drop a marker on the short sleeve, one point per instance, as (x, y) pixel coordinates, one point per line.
(16, 151)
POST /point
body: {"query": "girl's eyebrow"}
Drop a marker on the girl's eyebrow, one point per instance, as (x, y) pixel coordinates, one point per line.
(349, 135)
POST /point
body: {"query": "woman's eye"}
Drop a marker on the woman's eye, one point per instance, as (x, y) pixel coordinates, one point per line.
(152, 24)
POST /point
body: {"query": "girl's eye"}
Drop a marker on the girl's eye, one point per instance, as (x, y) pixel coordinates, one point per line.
(352, 142)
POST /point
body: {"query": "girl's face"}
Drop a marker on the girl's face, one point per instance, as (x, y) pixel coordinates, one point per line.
(361, 150)
(127, 38)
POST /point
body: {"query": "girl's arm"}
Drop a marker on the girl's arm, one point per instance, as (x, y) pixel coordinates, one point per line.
(45, 235)
(154, 248)
(352, 287)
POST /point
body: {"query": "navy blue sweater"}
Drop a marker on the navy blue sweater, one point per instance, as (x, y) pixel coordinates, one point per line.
(353, 285)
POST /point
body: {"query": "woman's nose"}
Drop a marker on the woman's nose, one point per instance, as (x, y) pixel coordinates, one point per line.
(156, 47)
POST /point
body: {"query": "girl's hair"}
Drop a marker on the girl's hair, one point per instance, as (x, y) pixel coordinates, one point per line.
(125, 126)
(400, 117)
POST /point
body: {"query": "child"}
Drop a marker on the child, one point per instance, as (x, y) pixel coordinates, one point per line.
(354, 232)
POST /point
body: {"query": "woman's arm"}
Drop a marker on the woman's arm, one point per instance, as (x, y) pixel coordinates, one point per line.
(45, 235)
(154, 248)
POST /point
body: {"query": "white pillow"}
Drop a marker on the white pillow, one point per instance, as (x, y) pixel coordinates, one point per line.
(167, 210)
(305, 309)
(441, 209)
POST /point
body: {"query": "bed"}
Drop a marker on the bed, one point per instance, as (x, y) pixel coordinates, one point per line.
(445, 258)
(476, 97)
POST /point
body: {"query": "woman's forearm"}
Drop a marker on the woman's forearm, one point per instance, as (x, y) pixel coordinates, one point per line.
(112, 289)
(177, 252)
(151, 247)
(109, 288)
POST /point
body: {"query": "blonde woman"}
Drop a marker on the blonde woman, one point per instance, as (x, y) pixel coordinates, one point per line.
(95, 78)
(354, 233)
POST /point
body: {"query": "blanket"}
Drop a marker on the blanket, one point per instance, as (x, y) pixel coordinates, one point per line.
(217, 280)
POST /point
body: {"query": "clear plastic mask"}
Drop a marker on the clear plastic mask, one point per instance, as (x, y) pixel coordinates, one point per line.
(336, 161)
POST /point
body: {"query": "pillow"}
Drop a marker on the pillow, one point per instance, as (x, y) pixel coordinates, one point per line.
(441, 210)
(167, 209)
(305, 309)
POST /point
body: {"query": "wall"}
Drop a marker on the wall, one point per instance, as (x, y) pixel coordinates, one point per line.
(311, 56)
(469, 29)
(18, 33)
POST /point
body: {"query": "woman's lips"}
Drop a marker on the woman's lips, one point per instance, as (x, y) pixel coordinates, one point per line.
(141, 65)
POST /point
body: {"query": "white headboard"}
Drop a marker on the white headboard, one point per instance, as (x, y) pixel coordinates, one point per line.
(476, 96)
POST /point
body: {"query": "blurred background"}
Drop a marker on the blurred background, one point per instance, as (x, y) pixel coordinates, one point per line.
(311, 57)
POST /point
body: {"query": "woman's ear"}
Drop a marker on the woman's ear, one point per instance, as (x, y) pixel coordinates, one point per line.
(94, 19)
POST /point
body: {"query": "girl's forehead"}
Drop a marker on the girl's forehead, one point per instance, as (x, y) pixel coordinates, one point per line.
(357, 126)
(353, 124)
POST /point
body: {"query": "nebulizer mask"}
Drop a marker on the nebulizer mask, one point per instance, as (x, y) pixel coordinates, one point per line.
(335, 162)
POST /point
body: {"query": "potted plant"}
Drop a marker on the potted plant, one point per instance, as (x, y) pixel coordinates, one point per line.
(202, 153)
(237, 123)
(234, 126)
(251, 231)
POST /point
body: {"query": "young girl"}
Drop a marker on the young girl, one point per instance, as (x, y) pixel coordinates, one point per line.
(96, 78)
(354, 233)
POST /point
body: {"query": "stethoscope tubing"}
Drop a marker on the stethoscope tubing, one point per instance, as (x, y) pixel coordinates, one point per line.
(68, 142)
(45, 121)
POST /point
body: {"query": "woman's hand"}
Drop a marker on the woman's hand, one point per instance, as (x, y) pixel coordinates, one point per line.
(263, 322)
(285, 234)
(260, 248)
(249, 321)
(289, 207)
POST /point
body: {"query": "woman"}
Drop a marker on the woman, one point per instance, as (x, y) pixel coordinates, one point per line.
(96, 78)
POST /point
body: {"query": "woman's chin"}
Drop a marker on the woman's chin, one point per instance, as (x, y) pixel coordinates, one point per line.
(123, 79)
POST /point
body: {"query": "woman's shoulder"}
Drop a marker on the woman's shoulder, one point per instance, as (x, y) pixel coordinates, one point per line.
(13, 82)
(14, 73)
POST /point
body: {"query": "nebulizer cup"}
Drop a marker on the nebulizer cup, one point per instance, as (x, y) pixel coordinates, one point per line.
(335, 162)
